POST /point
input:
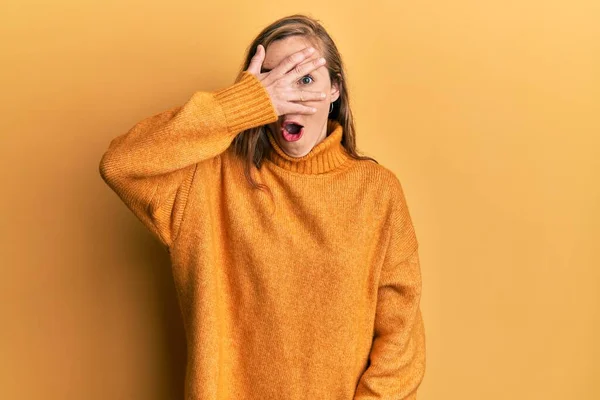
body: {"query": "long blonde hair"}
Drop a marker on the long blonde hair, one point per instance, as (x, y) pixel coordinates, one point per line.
(252, 144)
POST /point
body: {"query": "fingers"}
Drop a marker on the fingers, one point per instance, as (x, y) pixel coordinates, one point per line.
(257, 60)
(305, 95)
(301, 70)
(290, 62)
(297, 108)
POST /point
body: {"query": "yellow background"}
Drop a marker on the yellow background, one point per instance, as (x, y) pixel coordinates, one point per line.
(488, 111)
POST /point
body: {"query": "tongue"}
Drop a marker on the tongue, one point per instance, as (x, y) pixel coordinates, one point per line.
(293, 128)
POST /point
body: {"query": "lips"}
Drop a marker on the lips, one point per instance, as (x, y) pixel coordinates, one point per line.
(292, 127)
(292, 130)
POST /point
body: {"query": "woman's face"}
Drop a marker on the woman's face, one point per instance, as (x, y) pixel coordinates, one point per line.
(315, 125)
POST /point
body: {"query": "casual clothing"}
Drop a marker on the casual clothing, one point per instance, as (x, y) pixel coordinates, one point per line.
(313, 296)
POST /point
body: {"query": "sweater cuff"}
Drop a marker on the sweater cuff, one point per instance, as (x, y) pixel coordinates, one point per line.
(246, 103)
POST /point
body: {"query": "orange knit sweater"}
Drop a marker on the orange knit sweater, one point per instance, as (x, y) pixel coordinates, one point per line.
(315, 296)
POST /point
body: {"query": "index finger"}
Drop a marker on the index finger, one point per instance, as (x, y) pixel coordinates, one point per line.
(290, 62)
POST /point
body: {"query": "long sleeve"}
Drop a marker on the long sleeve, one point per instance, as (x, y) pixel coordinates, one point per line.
(397, 359)
(153, 165)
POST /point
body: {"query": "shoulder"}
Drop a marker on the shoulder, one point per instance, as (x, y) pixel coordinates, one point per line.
(402, 229)
(381, 178)
(391, 204)
(391, 198)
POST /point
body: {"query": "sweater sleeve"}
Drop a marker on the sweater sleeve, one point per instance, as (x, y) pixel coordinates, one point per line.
(397, 359)
(152, 166)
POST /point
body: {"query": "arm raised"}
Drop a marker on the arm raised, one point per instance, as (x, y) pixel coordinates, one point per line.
(151, 167)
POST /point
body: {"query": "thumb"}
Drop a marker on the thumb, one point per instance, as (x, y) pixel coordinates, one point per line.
(257, 60)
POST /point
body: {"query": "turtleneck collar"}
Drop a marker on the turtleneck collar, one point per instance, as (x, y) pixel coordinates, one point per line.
(323, 157)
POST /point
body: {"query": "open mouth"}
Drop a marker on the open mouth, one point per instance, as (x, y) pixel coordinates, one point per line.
(292, 131)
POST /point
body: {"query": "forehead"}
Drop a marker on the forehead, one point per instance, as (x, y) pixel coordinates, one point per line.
(280, 49)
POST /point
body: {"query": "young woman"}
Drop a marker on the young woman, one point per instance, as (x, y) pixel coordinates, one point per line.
(294, 258)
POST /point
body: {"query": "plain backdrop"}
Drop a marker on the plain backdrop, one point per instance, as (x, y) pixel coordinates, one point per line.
(488, 112)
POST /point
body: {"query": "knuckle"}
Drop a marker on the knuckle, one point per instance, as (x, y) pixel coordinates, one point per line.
(291, 59)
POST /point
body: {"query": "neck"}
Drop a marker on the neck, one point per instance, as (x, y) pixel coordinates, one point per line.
(325, 156)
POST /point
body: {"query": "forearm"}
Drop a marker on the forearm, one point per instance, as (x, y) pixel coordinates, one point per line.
(153, 165)
(182, 136)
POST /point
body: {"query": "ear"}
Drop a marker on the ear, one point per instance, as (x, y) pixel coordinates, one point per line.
(335, 88)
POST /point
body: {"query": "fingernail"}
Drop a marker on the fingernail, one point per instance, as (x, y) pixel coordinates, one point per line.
(311, 50)
(322, 95)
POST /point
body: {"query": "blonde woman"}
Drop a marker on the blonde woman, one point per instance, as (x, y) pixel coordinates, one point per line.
(295, 259)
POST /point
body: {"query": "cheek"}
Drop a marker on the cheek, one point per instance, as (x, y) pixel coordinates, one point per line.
(321, 105)
(316, 120)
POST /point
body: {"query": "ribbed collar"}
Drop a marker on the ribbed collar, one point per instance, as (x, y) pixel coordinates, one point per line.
(325, 156)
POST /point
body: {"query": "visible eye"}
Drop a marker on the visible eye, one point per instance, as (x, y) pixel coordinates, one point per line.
(303, 79)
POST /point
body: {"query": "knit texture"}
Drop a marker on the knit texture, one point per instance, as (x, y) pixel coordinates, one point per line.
(313, 296)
